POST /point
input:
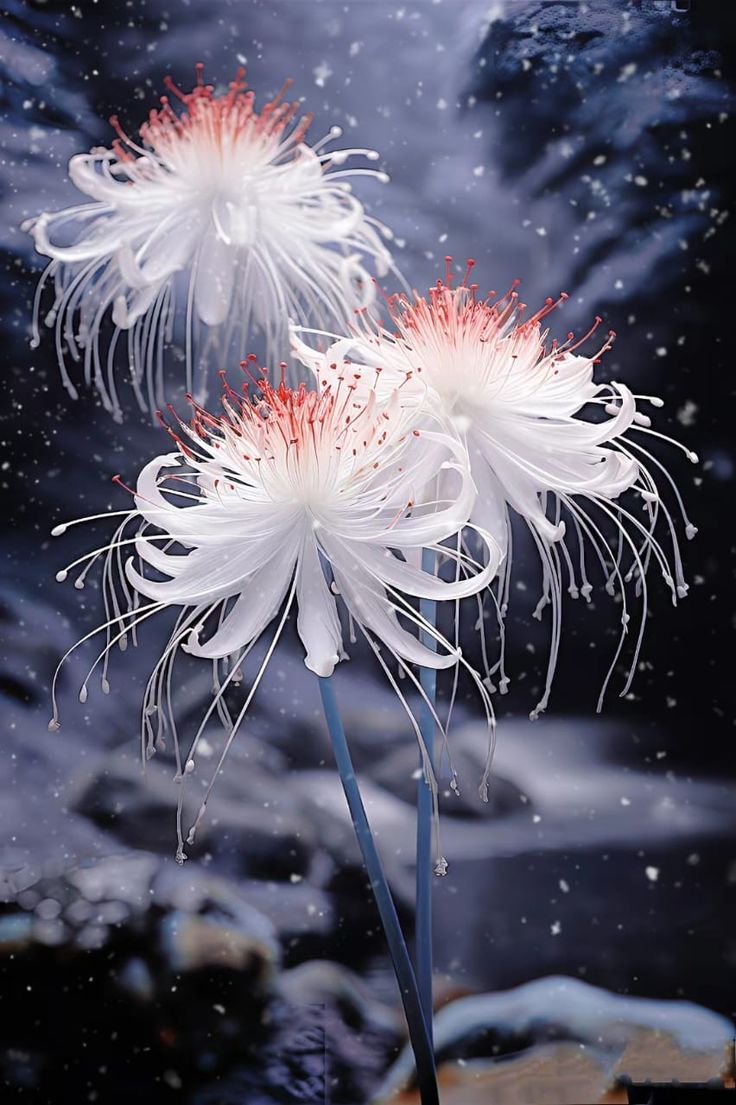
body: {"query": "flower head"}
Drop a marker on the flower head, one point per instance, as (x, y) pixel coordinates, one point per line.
(523, 404)
(221, 207)
(290, 499)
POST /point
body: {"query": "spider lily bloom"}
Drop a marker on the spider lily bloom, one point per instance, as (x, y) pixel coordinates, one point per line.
(224, 208)
(289, 500)
(520, 403)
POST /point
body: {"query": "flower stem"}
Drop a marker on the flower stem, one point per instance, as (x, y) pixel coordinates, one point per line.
(425, 866)
(418, 1033)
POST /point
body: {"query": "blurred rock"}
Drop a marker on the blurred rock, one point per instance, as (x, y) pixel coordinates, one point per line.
(559, 1039)
(543, 1075)
(397, 772)
(254, 826)
(331, 1043)
(320, 982)
(115, 973)
(392, 823)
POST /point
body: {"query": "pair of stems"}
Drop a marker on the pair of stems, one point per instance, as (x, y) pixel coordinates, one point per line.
(415, 988)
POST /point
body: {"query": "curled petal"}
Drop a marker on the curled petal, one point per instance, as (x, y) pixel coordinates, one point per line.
(253, 610)
(370, 604)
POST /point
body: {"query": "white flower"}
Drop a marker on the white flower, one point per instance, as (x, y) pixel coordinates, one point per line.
(221, 210)
(522, 406)
(293, 499)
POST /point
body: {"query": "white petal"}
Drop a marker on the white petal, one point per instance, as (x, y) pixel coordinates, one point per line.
(87, 177)
(155, 507)
(214, 280)
(317, 623)
(407, 579)
(489, 510)
(125, 313)
(522, 484)
(369, 605)
(263, 593)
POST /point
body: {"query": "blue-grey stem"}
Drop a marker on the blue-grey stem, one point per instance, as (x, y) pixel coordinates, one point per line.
(425, 862)
(418, 1032)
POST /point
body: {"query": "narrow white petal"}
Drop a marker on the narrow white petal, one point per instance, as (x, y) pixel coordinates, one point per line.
(317, 623)
(214, 281)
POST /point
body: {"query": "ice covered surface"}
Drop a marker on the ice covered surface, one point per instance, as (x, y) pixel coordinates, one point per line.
(574, 1033)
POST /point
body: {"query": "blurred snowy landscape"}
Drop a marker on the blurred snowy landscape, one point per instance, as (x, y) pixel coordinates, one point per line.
(580, 147)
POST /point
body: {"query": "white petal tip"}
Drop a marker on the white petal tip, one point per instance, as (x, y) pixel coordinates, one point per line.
(324, 666)
(440, 867)
(61, 576)
(54, 725)
(690, 531)
(120, 315)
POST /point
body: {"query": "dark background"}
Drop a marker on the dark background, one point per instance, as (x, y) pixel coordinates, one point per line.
(585, 148)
